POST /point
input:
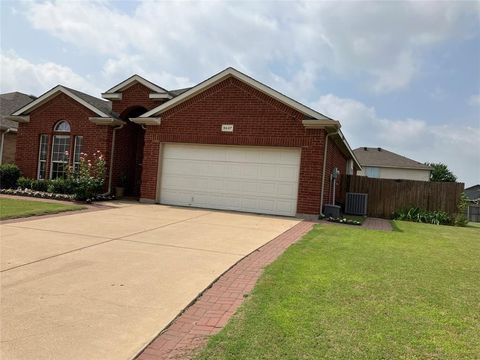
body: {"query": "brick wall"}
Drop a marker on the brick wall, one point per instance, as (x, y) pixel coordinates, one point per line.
(135, 95)
(335, 159)
(42, 121)
(258, 120)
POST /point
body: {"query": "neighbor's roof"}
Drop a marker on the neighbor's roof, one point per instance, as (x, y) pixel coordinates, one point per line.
(473, 192)
(10, 102)
(379, 157)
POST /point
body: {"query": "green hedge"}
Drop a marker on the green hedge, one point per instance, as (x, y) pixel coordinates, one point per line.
(57, 186)
(9, 174)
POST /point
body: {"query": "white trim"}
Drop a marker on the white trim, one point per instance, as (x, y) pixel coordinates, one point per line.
(349, 149)
(146, 121)
(242, 77)
(159, 96)
(45, 97)
(10, 129)
(106, 121)
(132, 79)
(321, 124)
(58, 123)
(112, 96)
(19, 119)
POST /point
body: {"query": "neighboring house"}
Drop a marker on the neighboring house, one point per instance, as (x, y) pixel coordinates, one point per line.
(10, 102)
(229, 142)
(384, 164)
(473, 193)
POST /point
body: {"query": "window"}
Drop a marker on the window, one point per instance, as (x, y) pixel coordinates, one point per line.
(62, 126)
(42, 157)
(372, 172)
(76, 152)
(60, 147)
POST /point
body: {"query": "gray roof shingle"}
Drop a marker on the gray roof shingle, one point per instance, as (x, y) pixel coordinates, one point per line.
(379, 157)
(102, 105)
(473, 192)
(9, 102)
(177, 92)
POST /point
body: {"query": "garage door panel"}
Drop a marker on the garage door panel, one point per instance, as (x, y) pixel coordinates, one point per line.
(287, 172)
(285, 207)
(255, 179)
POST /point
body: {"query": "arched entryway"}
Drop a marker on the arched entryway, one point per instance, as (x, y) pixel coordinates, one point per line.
(128, 157)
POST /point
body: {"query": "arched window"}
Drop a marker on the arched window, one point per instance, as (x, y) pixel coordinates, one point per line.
(62, 126)
(65, 149)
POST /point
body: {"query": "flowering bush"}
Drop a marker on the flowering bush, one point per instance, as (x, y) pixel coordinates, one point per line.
(89, 177)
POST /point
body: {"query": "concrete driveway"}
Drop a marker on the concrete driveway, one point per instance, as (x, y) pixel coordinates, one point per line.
(101, 285)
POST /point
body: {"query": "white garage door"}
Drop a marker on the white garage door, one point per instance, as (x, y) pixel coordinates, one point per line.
(253, 179)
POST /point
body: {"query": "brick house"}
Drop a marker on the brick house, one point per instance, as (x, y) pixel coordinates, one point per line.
(229, 142)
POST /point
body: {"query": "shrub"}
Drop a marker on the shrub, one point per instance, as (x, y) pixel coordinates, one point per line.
(40, 185)
(461, 218)
(423, 216)
(24, 183)
(61, 186)
(9, 174)
(89, 179)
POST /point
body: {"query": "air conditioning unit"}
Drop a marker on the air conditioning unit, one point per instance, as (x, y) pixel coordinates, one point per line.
(356, 204)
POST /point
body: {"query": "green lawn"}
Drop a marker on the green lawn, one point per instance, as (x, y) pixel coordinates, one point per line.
(13, 208)
(352, 293)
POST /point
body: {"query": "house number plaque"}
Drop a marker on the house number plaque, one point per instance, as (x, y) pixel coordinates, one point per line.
(227, 128)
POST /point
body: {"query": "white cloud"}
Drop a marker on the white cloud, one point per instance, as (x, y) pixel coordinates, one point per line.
(455, 145)
(382, 42)
(474, 100)
(18, 74)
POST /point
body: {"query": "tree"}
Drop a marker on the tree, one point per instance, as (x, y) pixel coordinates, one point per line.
(441, 173)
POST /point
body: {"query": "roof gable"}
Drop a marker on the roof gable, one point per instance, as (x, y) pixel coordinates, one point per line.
(379, 157)
(98, 106)
(231, 72)
(132, 80)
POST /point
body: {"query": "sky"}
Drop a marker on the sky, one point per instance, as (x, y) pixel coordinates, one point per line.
(401, 75)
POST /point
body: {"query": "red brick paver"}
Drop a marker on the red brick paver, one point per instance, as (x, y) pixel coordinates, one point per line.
(214, 307)
(377, 224)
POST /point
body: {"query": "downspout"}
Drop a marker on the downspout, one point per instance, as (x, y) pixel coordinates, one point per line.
(1, 145)
(112, 152)
(325, 168)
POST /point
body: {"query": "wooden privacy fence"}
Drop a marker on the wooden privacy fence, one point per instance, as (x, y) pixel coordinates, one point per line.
(386, 196)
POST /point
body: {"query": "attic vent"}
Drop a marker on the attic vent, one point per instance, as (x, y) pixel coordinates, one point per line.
(356, 204)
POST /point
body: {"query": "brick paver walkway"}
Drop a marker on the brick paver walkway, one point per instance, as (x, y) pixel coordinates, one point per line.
(212, 310)
(377, 224)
